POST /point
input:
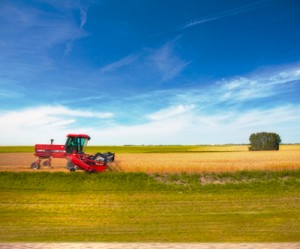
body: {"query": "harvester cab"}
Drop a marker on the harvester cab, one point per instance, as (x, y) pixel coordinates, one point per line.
(76, 143)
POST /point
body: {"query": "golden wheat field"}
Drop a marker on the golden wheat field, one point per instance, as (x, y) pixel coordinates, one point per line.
(219, 159)
(286, 159)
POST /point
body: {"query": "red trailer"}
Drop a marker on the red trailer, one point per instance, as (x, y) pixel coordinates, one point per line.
(73, 151)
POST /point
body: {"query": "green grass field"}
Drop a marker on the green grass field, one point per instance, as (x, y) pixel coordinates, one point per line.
(152, 148)
(16, 149)
(228, 207)
(140, 149)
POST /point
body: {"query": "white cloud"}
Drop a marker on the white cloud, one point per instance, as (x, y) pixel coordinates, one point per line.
(199, 128)
(184, 125)
(258, 86)
(225, 112)
(217, 114)
(30, 125)
(242, 89)
(171, 112)
(284, 76)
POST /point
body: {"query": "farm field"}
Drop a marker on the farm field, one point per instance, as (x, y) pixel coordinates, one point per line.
(251, 206)
(171, 159)
(159, 194)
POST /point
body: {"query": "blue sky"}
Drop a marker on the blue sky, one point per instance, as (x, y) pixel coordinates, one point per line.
(149, 71)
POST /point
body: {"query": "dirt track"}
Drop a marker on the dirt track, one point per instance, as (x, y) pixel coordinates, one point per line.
(22, 161)
(150, 245)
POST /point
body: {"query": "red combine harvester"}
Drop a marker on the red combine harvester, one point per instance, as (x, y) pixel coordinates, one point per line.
(73, 151)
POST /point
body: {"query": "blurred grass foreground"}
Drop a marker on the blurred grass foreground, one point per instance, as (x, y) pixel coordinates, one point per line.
(256, 206)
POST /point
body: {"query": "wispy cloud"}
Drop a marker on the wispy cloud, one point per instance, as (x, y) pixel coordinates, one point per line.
(262, 85)
(227, 111)
(21, 23)
(284, 75)
(240, 91)
(10, 94)
(221, 15)
(221, 113)
(83, 19)
(166, 62)
(243, 89)
(259, 88)
(144, 68)
(83, 15)
(119, 64)
(27, 36)
(169, 112)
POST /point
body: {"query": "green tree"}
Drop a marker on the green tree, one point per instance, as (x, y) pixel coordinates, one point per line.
(264, 141)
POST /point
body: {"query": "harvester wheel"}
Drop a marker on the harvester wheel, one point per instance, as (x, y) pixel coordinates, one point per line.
(35, 165)
(47, 163)
(70, 165)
